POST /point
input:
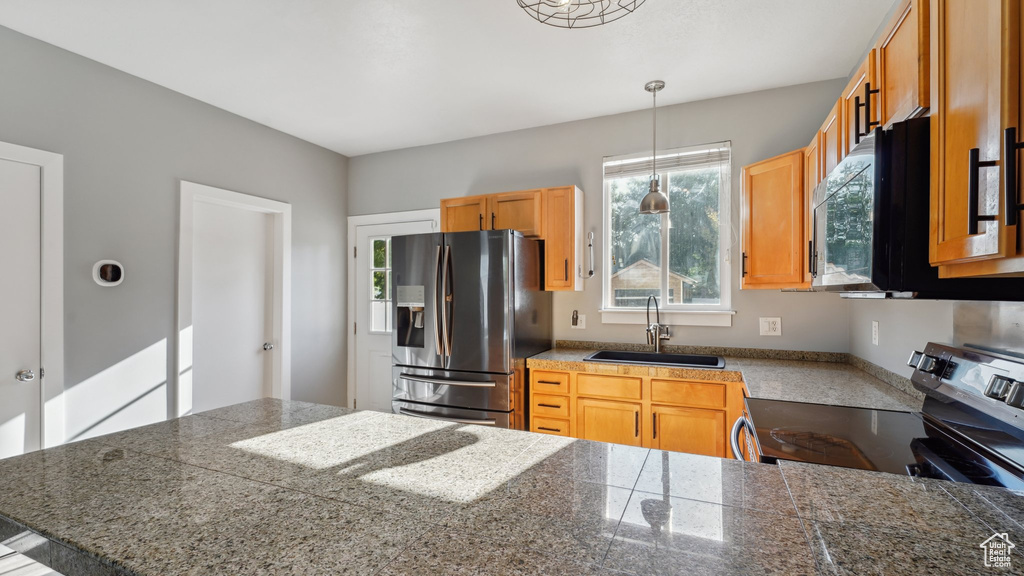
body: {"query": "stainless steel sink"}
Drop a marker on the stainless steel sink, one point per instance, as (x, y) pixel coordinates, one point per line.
(653, 359)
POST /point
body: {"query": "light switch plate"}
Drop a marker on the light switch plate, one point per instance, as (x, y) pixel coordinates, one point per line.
(771, 326)
(581, 322)
(874, 332)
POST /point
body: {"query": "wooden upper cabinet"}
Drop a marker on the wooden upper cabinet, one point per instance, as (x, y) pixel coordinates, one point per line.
(608, 421)
(692, 430)
(903, 68)
(812, 177)
(830, 139)
(554, 215)
(516, 211)
(772, 220)
(860, 105)
(563, 238)
(464, 214)
(975, 65)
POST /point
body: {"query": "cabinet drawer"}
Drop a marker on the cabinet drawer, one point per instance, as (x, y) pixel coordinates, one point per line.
(552, 406)
(608, 386)
(546, 382)
(551, 426)
(698, 394)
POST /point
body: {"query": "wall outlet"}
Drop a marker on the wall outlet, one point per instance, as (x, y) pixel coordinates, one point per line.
(581, 322)
(771, 326)
(874, 332)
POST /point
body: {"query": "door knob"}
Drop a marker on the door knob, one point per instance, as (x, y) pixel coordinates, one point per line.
(25, 376)
(268, 346)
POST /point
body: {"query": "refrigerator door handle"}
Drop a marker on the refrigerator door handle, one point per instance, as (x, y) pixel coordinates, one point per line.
(444, 382)
(437, 310)
(445, 302)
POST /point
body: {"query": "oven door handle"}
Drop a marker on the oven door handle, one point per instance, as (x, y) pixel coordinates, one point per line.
(734, 437)
(427, 416)
(443, 382)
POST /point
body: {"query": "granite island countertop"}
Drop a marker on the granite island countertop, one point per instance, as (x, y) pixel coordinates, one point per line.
(835, 383)
(272, 487)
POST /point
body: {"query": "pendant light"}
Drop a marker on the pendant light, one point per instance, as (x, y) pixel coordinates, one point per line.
(655, 202)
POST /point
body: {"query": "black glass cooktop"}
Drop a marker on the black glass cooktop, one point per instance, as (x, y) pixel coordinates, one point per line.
(881, 440)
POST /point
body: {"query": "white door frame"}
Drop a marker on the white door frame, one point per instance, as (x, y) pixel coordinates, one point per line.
(369, 220)
(192, 193)
(51, 349)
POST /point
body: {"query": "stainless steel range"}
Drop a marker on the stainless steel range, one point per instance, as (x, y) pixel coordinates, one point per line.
(970, 429)
(468, 309)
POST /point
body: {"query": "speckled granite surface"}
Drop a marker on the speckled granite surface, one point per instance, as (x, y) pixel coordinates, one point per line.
(793, 380)
(273, 487)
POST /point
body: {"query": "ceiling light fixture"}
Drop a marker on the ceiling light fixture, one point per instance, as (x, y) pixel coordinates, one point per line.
(578, 13)
(655, 202)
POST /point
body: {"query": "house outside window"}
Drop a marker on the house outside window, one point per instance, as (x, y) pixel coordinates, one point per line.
(679, 257)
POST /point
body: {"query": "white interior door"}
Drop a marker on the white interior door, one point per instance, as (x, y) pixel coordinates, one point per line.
(373, 310)
(20, 378)
(232, 305)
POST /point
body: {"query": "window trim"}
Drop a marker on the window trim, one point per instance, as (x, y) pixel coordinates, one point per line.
(674, 314)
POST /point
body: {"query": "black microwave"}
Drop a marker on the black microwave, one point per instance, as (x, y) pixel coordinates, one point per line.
(870, 225)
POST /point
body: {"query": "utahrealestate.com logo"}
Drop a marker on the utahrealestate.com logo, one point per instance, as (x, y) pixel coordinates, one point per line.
(997, 550)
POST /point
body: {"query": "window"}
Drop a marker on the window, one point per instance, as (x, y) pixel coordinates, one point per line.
(679, 257)
(380, 290)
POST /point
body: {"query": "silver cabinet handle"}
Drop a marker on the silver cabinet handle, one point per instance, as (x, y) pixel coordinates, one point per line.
(734, 437)
(443, 382)
(428, 416)
(25, 376)
(268, 346)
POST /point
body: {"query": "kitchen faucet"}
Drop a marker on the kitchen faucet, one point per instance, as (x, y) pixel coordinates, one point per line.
(655, 332)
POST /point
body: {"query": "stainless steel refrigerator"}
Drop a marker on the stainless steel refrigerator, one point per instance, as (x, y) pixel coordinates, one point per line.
(468, 308)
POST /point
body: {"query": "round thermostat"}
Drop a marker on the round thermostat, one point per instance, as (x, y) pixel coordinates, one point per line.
(108, 273)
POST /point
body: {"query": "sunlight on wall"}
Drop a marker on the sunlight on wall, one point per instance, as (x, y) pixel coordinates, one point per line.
(185, 372)
(12, 437)
(131, 393)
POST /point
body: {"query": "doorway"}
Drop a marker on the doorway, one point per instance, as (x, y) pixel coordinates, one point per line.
(31, 300)
(369, 301)
(234, 285)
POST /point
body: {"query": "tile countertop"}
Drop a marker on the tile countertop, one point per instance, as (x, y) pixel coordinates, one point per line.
(272, 487)
(794, 380)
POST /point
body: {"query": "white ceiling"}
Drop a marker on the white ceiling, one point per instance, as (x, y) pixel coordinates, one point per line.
(371, 75)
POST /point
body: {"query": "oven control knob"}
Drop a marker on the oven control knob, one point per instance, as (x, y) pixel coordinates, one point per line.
(915, 358)
(998, 387)
(928, 364)
(1015, 397)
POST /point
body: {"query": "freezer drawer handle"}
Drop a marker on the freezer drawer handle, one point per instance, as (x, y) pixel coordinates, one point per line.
(443, 382)
(484, 421)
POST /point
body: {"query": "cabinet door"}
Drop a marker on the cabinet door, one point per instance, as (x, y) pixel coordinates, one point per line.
(903, 65)
(561, 238)
(772, 215)
(860, 104)
(463, 214)
(692, 430)
(608, 421)
(812, 176)
(830, 139)
(975, 67)
(516, 211)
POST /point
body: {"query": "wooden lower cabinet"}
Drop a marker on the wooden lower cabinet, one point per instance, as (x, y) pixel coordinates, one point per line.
(692, 416)
(608, 421)
(692, 430)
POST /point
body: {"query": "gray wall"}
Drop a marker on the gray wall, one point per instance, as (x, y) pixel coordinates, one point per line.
(903, 326)
(126, 144)
(760, 125)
